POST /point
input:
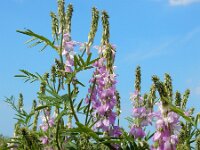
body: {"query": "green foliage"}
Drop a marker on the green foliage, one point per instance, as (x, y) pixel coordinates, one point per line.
(37, 39)
(3, 142)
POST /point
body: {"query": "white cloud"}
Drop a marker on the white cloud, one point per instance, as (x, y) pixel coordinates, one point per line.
(182, 2)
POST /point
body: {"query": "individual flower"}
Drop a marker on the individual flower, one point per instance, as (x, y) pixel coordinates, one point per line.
(44, 140)
(137, 132)
(51, 122)
(115, 132)
(44, 127)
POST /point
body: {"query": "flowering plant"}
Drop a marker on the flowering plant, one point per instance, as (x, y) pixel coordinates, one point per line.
(54, 120)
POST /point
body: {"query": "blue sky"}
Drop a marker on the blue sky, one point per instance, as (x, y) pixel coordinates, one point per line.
(159, 35)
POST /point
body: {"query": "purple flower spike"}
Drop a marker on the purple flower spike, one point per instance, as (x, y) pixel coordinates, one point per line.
(103, 95)
(141, 116)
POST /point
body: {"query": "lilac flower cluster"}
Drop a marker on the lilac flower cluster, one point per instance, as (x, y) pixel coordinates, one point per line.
(68, 51)
(103, 98)
(167, 129)
(47, 122)
(142, 116)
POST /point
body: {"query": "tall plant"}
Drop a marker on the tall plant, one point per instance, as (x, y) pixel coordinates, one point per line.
(60, 108)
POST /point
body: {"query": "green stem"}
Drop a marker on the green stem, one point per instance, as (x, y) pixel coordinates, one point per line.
(57, 131)
(88, 109)
(94, 123)
(71, 103)
(118, 121)
(89, 119)
(83, 52)
(61, 58)
(60, 51)
(58, 88)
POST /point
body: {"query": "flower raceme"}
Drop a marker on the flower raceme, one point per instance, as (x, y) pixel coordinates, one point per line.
(167, 129)
(68, 51)
(103, 94)
(142, 116)
(103, 97)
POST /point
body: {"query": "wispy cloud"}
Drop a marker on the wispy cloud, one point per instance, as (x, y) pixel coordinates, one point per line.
(182, 2)
(165, 47)
(190, 36)
(159, 50)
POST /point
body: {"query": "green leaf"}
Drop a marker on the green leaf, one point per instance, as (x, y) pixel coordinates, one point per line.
(44, 47)
(61, 114)
(179, 111)
(41, 107)
(87, 131)
(78, 82)
(129, 119)
(149, 136)
(39, 37)
(88, 59)
(76, 61)
(94, 60)
(31, 40)
(197, 119)
(27, 76)
(50, 100)
(79, 105)
(70, 145)
(81, 60)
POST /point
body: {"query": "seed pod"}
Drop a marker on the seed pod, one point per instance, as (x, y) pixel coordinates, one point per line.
(152, 97)
(185, 98)
(161, 90)
(20, 102)
(36, 115)
(145, 100)
(138, 79)
(53, 74)
(42, 87)
(178, 99)
(46, 76)
(54, 24)
(68, 18)
(110, 56)
(106, 30)
(94, 25)
(118, 105)
(61, 13)
(168, 86)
